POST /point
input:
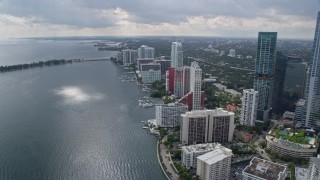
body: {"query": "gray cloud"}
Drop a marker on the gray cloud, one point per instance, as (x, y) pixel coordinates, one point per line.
(98, 14)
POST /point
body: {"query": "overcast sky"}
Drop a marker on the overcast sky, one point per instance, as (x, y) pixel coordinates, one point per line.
(227, 18)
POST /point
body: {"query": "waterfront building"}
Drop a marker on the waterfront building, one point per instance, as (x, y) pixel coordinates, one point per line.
(176, 55)
(178, 81)
(145, 52)
(195, 85)
(129, 56)
(169, 115)
(311, 112)
(119, 57)
(279, 78)
(264, 73)
(206, 126)
(165, 65)
(215, 164)
(143, 61)
(295, 77)
(232, 53)
(261, 169)
(190, 153)
(314, 168)
(249, 107)
(150, 73)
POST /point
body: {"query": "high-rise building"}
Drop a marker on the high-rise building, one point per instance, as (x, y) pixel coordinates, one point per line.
(260, 169)
(150, 73)
(143, 61)
(165, 65)
(249, 107)
(190, 153)
(129, 56)
(145, 52)
(176, 55)
(264, 73)
(299, 111)
(232, 53)
(169, 115)
(311, 114)
(186, 80)
(314, 168)
(195, 84)
(206, 126)
(215, 164)
(178, 82)
(279, 78)
(295, 78)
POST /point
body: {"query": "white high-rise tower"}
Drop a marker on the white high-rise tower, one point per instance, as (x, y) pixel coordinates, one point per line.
(195, 85)
(176, 55)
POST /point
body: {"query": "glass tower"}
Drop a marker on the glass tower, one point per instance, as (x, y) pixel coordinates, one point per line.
(264, 73)
(311, 113)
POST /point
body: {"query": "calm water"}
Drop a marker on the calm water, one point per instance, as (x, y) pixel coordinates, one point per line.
(74, 122)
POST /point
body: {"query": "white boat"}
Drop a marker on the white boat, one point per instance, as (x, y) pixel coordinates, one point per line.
(145, 127)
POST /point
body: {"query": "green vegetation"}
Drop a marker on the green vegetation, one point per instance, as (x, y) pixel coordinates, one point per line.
(184, 173)
(37, 64)
(291, 134)
(160, 90)
(173, 137)
(258, 128)
(292, 170)
(167, 100)
(215, 99)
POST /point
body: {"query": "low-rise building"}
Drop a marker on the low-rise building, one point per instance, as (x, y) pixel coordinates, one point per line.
(215, 164)
(190, 153)
(169, 115)
(233, 92)
(288, 115)
(260, 169)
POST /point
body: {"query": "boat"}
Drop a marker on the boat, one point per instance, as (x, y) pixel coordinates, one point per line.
(145, 127)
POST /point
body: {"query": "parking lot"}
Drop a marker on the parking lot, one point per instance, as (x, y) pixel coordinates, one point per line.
(236, 170)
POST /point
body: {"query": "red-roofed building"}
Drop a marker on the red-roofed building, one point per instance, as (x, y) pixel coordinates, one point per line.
(231, 107)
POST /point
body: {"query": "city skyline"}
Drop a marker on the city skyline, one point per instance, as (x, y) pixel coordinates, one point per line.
(291, 19)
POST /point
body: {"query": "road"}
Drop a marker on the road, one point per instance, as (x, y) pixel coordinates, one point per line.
(167, 161)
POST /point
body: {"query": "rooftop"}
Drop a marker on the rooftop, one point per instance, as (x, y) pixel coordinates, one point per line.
(265, 169)
(316, 162)
(216, 155)
(201, 147)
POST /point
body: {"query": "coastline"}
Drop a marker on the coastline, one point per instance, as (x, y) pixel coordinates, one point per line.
(159, 161)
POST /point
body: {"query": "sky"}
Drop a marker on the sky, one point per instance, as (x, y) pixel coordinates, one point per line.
(223, 18)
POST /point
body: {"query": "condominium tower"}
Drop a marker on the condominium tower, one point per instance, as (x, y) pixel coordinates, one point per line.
(195, 84)
(215, 164)
(145, 52)
(264, 73)
(169, 115)
(249, 107)
(206, 126)
(176, 55)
